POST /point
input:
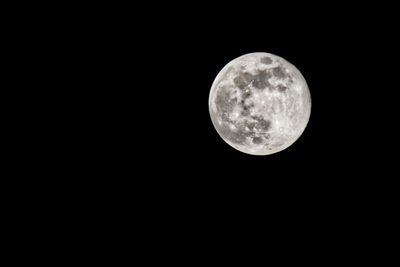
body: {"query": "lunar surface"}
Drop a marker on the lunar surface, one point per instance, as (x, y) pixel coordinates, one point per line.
(260, 103)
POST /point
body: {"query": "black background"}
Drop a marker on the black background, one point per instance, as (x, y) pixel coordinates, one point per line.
(154, 73)
(136, 145)
(147, 143)
(164, 64)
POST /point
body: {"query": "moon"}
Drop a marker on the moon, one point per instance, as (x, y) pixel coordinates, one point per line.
(259, 103)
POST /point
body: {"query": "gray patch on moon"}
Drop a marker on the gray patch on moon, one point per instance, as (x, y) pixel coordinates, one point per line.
(250, 125)
(223, 101)
(278, 144)
(246, 95)
(246, 107)
(262, 123)
(237, 137)
(279, 72)
(281, 88)
(245, 112)
(261, 79)
(266, 60)
(257, 140)
(243, 79)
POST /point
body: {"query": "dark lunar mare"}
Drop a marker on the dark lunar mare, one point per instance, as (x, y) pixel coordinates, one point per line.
(279, 72)
(257, 140)
(266, 60)
(281, 88)
(242, 80)
(262, 124)
(260, 80)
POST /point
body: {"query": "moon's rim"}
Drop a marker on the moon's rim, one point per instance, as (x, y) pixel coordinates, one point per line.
(216, 81)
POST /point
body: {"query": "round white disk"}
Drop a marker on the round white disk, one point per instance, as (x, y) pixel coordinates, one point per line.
(259, 103)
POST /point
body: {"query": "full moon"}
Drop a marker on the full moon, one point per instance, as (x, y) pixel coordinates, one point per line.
(259, 103)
